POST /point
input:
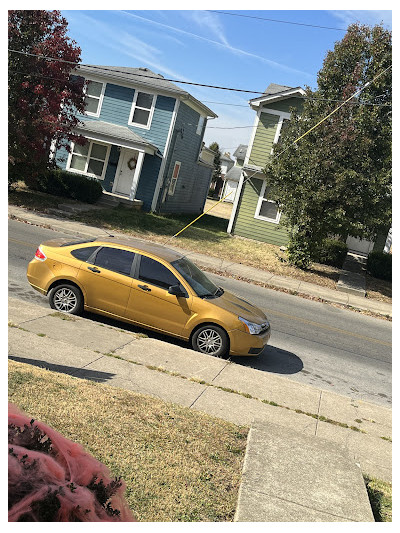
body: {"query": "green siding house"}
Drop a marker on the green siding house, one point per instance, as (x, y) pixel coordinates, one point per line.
(255, 215)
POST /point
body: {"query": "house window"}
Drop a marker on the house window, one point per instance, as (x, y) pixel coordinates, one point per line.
(267, 209)
(89, 159)
(94, 94)
(174, 179)
(142, 110)
(200, 125)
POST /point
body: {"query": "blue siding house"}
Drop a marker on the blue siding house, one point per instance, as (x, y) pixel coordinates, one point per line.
(144, 140)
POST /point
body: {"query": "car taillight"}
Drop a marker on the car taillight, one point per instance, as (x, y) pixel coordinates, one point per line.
(40, 255)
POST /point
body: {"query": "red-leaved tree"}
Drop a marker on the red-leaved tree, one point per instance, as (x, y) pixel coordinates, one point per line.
(43, 96)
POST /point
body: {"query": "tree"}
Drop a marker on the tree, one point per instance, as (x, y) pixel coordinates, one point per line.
(337, 179)
(216, 176)
(43, 96)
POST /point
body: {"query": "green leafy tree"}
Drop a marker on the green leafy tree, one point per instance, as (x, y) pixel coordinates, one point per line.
(43, 96)
(337, 179)
(216, 176)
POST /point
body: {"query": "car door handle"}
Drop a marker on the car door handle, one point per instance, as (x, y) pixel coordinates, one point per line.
(144, 288)
(94, 269)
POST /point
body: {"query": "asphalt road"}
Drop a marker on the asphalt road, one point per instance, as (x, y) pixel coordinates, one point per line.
(314, 343)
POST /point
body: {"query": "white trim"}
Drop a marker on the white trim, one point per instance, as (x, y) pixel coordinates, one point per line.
(85, 173)
(255, 102)
(101, 97)
(261, 199)
(164, 160)
(136, 175)
(282, 118)
(236, 203)
(151, 110)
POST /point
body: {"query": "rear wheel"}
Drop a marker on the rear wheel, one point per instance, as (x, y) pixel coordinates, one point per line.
(211, 340)
(66, 298)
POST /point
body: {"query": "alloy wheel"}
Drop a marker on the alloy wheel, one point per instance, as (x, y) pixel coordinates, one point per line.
(209, 341)
(65, 300)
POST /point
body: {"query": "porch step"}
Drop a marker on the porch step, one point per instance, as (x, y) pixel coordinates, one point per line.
(114, 200)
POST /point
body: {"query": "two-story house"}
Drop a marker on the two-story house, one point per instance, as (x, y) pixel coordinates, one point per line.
(144, 140)
(255, 215)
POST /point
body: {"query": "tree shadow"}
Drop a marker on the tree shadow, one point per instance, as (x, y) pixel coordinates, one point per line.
(83, 373)
(272, 359)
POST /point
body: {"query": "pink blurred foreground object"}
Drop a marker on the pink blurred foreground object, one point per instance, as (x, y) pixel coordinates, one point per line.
(52, 479)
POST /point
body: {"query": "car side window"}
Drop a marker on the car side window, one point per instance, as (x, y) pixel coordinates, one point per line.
(116, 260)
(83, 253)
(155, 273)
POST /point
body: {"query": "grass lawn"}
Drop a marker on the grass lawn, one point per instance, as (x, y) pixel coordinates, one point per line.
(178, 464)
(208, 236)
(380, 496)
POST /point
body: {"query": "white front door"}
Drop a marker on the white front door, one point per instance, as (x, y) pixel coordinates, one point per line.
(127, 167)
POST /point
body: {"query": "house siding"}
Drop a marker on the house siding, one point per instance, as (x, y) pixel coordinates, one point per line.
(116, 108)
(285, 105)
(260, 230)
(194, 179)
(263, 139)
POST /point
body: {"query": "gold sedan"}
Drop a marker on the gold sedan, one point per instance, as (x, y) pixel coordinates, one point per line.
(150, 286)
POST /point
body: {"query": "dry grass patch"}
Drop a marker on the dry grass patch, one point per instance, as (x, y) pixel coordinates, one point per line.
(379, 289)
(179, 465)
(380, 496)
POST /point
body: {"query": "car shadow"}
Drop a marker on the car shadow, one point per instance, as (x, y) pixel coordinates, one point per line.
(272, 359)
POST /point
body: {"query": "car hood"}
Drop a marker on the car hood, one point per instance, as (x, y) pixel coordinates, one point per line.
(239, 307)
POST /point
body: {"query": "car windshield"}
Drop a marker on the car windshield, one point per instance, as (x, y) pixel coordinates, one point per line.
(199, 282)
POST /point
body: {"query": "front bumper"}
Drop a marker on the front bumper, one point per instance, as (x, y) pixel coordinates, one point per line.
(243, 343)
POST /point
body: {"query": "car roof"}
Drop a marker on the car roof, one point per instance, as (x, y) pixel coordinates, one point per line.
(143, 246)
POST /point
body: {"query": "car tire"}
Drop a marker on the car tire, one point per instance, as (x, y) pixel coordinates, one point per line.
(211, 340)
(66, 298)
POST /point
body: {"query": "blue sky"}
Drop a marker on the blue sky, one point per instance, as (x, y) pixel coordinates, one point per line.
(217, 49)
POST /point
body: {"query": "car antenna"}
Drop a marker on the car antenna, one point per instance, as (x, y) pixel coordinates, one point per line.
(109, 234)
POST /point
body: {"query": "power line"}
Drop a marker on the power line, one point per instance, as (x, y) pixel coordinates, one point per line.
(135, 74)
(166, 79)
(275, 20)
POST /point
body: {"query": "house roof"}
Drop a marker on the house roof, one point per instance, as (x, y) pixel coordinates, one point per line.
(234, 173)
(226, 158)
(143, 77)
(240, 151)
(275, 92)
(118, 134)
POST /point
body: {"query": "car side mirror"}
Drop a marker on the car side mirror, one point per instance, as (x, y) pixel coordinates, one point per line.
(176, 291)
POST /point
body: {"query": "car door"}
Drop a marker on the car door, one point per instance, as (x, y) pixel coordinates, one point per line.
(107, 280)
(151, 305)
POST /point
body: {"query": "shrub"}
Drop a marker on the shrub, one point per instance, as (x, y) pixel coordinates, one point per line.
(379, 265)
(331, 252)
(62, 183)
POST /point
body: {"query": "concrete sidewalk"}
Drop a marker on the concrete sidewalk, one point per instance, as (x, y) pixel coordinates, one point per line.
(307, 448)
(219, 266)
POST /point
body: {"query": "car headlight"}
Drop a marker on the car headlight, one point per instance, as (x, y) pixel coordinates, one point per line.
(251, 327)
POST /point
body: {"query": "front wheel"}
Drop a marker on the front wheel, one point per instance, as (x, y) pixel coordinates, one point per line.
(211, 340)
(66, 299)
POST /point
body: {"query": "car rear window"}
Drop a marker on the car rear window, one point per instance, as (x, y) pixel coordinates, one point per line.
(83, 253)
(116, 260)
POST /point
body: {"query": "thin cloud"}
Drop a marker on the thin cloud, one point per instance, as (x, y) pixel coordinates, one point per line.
(232, 49)
(370, 17)
(209, 22)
